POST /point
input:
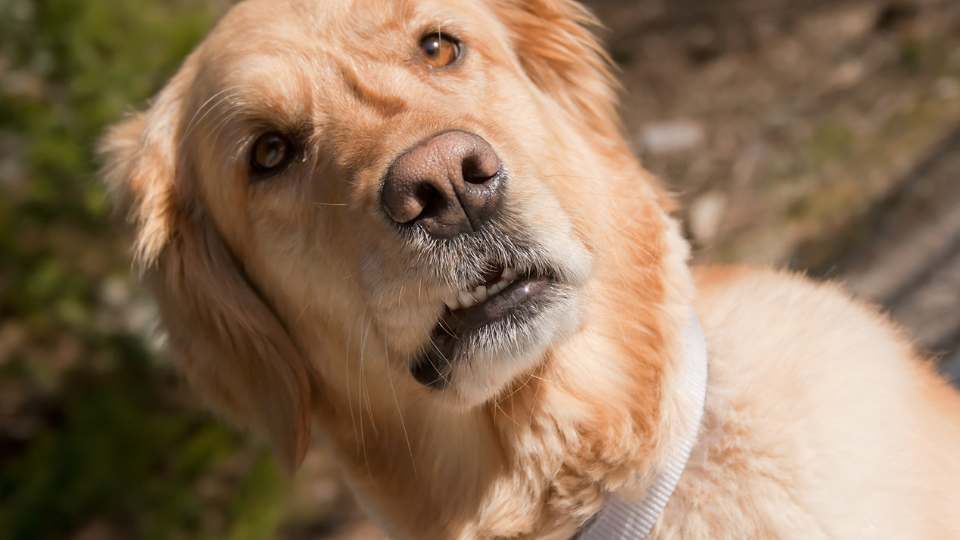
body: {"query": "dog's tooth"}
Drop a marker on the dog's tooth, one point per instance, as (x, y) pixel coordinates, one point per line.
(466, 299)
(452, 300)
(496, 288)
(480, 294)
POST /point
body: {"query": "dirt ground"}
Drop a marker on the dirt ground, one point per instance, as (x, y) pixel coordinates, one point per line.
(817, 135)
(775, 121)
(904, 253)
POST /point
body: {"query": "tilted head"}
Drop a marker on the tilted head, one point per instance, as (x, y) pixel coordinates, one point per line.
(368, 205)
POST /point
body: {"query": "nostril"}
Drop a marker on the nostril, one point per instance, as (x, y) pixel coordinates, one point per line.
(478, 170)
(449, 184)
(432, 202)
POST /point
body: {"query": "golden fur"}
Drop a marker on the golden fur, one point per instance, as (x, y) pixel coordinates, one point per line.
(292, 306)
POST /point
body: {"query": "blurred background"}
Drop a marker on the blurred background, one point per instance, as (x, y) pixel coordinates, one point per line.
(821, 135)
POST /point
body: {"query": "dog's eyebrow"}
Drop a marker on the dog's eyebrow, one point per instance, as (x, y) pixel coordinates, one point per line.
(387, 106)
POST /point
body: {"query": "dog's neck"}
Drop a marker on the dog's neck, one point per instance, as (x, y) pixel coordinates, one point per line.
(594, 418)
(635, 513)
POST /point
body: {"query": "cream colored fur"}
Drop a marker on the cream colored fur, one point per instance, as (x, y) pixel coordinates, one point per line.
(295, 308)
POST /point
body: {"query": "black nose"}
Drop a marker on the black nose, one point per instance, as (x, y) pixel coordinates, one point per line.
(449, 184)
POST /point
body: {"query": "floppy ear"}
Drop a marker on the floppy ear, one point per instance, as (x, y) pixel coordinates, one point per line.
(555, 44)
(228, 340)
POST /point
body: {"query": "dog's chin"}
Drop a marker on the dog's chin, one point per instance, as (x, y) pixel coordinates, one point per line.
(478, 351)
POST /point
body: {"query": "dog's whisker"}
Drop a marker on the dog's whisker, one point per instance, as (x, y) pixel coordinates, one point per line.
(206, 108)
(503, 411)
(364, 387)
(348, 386)
(222, 123)
(439, 371)
(360, 397)
(521, 387)
(396, 402)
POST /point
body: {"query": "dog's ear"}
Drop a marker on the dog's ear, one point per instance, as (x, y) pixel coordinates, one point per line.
(556, 45)
(229, 341)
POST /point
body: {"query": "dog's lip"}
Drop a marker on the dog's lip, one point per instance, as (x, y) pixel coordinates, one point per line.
(498, 306)
(432, 367)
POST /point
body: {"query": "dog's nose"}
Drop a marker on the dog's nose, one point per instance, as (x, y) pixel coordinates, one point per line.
(449, 184)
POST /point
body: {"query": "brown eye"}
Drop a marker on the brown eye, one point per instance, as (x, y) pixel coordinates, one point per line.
(270, 154)
(440, 50)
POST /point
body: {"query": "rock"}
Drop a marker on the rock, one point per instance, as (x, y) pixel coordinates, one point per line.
(948, 88)
(847, 74)
(706, 215)
(115, 292)
(671, 137)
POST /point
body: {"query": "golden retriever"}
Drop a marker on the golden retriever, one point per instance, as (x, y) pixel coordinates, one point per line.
(415, 227)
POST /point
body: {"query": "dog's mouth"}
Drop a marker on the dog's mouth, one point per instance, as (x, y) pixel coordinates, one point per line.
(490, 315)
(503, 291)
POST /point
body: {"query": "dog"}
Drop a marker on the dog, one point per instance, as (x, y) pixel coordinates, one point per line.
(416, 228)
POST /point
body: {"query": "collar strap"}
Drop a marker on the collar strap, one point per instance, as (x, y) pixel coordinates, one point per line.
(620, 519)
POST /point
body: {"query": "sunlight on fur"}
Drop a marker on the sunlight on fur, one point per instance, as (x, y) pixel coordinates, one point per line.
(442, 255)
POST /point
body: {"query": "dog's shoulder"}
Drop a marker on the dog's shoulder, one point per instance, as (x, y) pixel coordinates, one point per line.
(766, 305)
(813, 394)
(781, 328)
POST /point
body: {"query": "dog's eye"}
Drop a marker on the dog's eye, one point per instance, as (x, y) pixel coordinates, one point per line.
(271, 153)
(440, 50)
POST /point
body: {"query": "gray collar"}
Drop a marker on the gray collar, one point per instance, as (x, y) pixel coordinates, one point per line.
(621, 519)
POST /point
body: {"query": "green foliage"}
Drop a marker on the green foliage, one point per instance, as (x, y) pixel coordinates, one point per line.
(94, 432)
(84, 63)
(94, 58)
(117, 450)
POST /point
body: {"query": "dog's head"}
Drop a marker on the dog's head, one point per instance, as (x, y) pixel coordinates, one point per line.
(405, 190)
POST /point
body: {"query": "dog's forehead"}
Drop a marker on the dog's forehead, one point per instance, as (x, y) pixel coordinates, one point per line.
(300, 21)
(326, 19)
(265, 49)
(313, 29)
